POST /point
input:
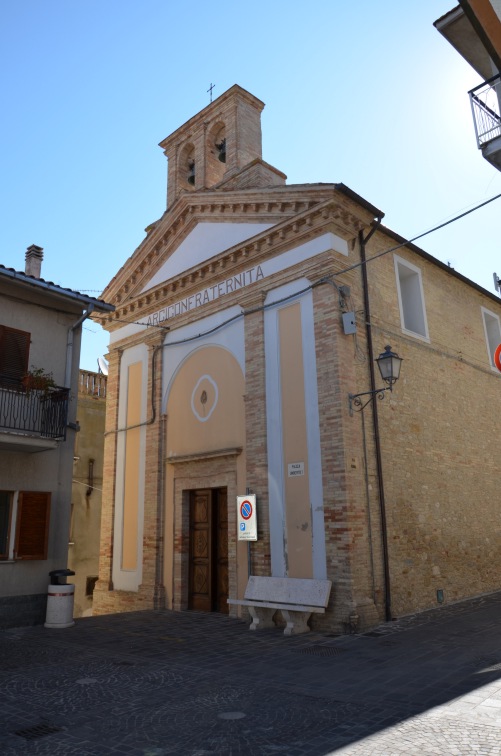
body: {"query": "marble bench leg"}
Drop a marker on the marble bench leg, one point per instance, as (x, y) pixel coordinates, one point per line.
(261, 617)
(297, 622)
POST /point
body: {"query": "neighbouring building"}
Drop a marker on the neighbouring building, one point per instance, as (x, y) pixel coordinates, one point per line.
(473, 28)
(244, 321)
(40, 330)
(83, 554)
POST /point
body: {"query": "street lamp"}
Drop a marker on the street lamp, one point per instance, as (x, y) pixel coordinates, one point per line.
(389, 364)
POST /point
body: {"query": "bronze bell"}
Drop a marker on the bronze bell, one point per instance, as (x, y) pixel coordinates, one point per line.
(221, 151)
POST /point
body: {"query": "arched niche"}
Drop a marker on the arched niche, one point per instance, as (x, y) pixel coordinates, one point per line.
(205, 405)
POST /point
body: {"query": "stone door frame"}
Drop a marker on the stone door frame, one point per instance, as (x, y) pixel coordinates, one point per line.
(197, 474)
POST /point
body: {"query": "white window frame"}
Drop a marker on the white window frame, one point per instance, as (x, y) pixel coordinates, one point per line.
(490, 320)
(415, 272)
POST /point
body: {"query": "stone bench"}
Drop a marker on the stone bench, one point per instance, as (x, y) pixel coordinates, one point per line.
(296, 598)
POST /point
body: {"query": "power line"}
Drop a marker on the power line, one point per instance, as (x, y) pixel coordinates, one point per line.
(79, 483)
(419, 236)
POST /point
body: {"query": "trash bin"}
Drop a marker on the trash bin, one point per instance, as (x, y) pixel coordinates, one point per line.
(60, 599)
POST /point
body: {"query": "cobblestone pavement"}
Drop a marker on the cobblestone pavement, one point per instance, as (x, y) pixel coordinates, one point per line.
(194, 684)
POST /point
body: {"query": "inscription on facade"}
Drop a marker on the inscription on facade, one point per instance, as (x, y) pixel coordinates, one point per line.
(230, 285)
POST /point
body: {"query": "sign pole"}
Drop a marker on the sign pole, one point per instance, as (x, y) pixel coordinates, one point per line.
(247, 523)
(249, 571)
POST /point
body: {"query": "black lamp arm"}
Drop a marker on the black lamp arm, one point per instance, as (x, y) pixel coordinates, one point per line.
(356, 403)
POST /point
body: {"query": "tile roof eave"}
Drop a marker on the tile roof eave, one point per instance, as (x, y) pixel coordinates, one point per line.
(52, 288)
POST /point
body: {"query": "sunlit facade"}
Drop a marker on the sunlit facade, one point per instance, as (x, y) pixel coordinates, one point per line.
(244, 321)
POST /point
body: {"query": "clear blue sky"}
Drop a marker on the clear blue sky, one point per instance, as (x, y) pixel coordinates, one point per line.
(368, 94)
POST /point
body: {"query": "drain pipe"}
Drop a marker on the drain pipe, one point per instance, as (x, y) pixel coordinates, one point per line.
(69, 344)
(379, 466)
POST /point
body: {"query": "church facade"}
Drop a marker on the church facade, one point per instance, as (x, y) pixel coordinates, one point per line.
(244, 321)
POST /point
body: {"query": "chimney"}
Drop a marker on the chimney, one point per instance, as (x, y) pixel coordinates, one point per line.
(34, 257)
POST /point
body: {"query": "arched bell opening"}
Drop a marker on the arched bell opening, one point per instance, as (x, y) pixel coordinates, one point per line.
(216, 154)
(187, 168)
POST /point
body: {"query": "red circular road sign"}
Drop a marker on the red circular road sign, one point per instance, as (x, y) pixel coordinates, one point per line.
(246, 510)
(497, 357)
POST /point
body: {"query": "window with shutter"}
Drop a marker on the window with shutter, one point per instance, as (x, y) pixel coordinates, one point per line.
(5, 521)
(32, 531)
(14, 355)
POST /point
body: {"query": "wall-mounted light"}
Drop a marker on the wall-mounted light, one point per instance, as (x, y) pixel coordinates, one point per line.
(389, 364)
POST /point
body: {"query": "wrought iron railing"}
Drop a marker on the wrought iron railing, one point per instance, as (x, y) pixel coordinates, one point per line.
(39, 412)
(485, 104)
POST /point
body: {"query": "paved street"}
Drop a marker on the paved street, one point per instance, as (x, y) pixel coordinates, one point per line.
(158, 683)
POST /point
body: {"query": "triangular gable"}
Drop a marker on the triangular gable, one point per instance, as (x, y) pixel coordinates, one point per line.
(205, 241)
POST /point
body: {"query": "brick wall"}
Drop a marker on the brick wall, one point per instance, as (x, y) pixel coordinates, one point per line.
(440, 440)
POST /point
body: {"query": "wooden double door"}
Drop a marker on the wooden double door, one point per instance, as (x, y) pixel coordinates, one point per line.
(208, 573)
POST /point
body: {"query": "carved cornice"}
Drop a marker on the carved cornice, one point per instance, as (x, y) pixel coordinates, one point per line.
(183, 458)
(326, 216)
(167, 233)
(305, 217)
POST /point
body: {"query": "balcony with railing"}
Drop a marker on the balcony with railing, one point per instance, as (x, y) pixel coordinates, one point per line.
(485, 104)
(32, 419)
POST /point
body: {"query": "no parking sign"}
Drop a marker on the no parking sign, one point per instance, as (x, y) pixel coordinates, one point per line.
(246, 518)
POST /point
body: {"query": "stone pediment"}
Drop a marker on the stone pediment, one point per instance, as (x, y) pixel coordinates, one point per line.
(331, 224)
(204, 224)
(205, 241)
